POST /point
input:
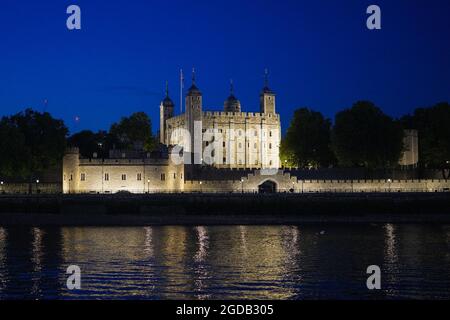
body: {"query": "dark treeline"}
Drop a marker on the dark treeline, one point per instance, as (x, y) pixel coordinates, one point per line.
(133, 132)
(363, 136)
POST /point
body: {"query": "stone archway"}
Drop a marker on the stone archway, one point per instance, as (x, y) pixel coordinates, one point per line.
(267, 186)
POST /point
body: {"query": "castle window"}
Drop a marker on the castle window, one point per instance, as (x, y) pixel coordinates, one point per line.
(83, 177)
(106, 176)
(163, 177)
(224, 160)
(124, 177)
(240, 145)
(71, 178)
(174, 175)
(139, 176)
(270, 146)
(181, 176)
(270, 133)
(224, 144)
(255, 145)
(207, 143)
(270, 162)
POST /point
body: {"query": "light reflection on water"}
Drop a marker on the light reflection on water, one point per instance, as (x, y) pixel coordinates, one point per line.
(226, 262)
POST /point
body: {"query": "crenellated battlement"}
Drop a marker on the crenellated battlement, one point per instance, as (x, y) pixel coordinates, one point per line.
(239, 115)
(72, 150)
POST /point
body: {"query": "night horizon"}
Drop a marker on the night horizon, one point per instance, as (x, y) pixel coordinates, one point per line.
(319, 56)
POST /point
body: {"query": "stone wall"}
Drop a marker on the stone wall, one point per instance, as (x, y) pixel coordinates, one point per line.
(114, 175)
(287, 183)
(22, 188)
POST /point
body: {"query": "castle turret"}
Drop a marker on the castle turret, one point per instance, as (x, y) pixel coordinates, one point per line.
(166, 111)
(267, 97)
(194, 122)
(232, 104)
(71, 164)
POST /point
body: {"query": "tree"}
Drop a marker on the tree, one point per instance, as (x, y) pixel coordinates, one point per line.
(12, 150)
(41, 142)
(364, 136)
(307, 141)
(433, 125)
(89, 143)
(132, 131)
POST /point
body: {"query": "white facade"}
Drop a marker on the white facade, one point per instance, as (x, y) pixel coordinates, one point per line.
(113, 175)
(228, 139)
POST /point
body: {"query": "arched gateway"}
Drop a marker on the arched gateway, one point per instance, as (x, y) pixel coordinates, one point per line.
(267, 186)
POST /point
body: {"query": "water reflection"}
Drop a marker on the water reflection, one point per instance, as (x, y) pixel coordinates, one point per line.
(390, 268)
(148, 249)
(3, 276)
(225, 262)
(201, 268)
(36, 260)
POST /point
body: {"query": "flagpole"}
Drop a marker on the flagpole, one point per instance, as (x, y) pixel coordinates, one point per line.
(181, 91)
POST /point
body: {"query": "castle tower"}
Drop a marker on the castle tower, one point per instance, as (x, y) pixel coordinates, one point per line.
(71, 163)
(232, 104)
(194, 122)
(267, 97)
(166, 111)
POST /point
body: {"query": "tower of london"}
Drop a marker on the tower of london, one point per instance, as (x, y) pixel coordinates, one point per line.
(231, 138)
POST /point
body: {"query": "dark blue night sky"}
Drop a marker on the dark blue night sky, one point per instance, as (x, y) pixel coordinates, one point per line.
(320, 54)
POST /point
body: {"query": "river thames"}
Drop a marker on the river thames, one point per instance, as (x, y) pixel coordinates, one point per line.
(226, 262)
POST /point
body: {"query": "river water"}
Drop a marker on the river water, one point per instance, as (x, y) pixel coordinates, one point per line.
(226, 262)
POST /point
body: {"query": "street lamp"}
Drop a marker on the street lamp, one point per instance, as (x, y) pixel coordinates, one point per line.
(37, 185)
(148, 185)
(201, 191)
(242, 185)
(389, 181)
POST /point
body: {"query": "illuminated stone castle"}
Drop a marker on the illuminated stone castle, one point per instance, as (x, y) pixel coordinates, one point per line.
(239, 143)
(245, 151)
(228, 139)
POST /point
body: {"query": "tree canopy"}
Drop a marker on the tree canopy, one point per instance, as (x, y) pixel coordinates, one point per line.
(89, 143)
(133, 130)
(364, 136)
(30, 142)
(307, 141)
